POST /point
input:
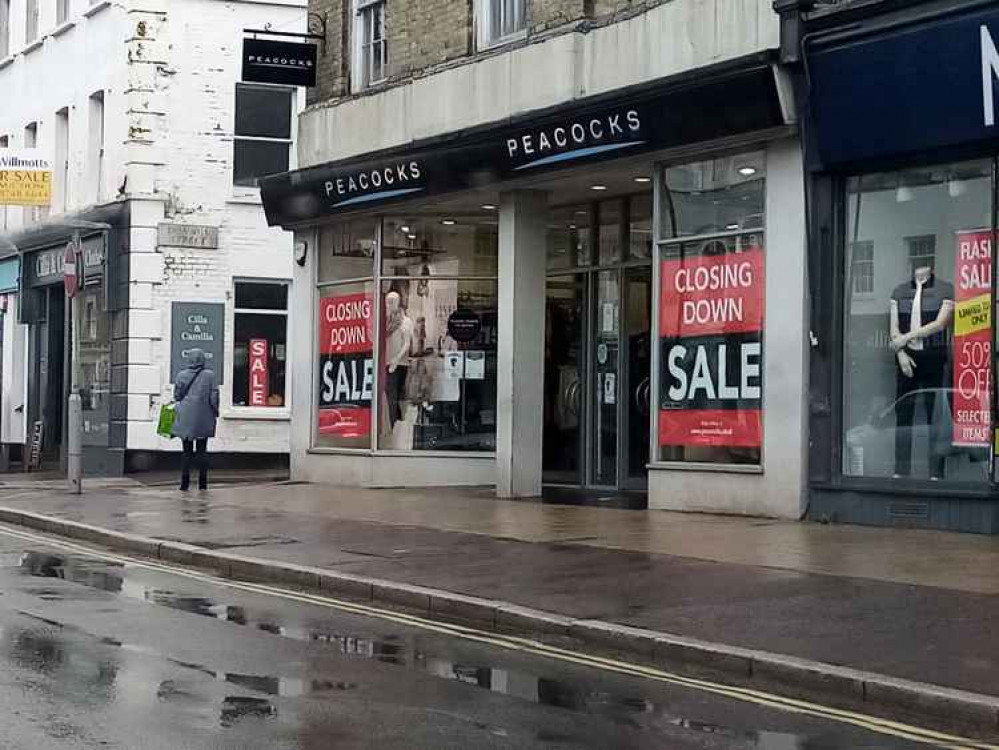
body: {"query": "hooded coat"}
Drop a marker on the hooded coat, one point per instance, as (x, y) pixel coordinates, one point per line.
(196, 393)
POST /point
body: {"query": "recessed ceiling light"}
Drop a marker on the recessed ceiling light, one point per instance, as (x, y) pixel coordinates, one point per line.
(572, 226)
(731, 227)
(411, 236)
(747, 171)
(582, 213)
(488, 207)
(404, 230)
(598, 187)
(448, 222)
(643, 179)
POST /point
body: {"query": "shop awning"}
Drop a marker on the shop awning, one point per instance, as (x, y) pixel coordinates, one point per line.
(722, 101)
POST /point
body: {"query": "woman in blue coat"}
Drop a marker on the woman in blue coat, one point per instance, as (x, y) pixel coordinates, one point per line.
(197, 395)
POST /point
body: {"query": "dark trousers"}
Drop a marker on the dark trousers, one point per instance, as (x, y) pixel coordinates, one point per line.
(196, 452)
(395, 393)
(929, 376)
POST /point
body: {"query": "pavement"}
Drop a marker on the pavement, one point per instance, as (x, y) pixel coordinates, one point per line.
(95, 653)
(876, 615)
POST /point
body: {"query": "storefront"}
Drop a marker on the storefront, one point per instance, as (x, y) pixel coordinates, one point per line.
(903, 147)
(575, 298)
(44, 322)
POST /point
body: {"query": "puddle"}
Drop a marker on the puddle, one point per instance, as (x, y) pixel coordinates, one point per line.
(626, 709)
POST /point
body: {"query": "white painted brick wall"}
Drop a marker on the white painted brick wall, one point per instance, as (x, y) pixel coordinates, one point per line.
(169, 69)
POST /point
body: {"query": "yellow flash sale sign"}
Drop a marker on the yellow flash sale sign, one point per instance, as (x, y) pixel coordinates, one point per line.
(25, 178)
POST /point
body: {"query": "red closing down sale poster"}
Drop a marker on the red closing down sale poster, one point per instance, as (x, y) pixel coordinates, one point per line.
(711, 324)
(346, 367)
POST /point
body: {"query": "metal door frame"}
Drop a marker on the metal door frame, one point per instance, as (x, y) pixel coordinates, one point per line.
(588, 419)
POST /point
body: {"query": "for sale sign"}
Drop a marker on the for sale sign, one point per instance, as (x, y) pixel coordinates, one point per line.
(972, 338)
(346, 366)
(25, 178)
(711, 324)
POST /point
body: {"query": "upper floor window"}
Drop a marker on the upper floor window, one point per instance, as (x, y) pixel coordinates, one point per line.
(62, 11)
(4, 28)
(95, 146)
(500, 21)
(370, 49)
(262, 133)
(30, 21)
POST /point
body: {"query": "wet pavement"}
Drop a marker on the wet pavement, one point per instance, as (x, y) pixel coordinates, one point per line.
(911, 604)
(95, 654)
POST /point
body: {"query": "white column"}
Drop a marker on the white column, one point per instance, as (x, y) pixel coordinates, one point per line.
(520, 377)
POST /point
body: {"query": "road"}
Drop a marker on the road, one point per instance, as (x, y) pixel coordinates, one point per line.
(100, 653)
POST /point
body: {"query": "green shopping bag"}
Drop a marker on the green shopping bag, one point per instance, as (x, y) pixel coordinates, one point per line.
(168, 412)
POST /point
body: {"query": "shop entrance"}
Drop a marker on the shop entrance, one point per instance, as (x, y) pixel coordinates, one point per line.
(49, 365)
(598, 352)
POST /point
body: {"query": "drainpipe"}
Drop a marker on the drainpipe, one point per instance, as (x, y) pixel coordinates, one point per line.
(791, 25)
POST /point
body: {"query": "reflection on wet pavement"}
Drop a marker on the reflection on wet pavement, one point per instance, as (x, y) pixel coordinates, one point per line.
(43, 652)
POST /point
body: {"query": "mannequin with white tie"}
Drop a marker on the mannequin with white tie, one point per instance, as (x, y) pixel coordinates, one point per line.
(921, 312)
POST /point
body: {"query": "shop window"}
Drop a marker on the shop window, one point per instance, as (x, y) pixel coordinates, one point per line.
(370, 47)
(917, 348)
(862, 268)
(501, 21)
(439, 334)
(440, 246)
(711, 311)
(438, 365)
(347, 251)
(263, 132)
(345, 379)
(260, 344)
(570, 236)
(95, 365)
(640, 238)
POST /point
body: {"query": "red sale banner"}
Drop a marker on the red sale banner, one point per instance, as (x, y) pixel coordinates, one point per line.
(711, 328)
(971, 404)
(259, 377)
(346, 366)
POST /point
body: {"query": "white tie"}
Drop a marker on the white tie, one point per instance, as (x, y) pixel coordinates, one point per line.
(916, 319)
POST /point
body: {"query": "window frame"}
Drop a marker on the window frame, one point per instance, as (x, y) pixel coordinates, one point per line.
(292, 92)
(360, 68)
(867, 263)
(486, 38)
(63, 11)
(233, 410)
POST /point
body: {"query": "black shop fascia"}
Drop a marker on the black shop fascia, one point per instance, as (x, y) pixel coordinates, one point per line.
(722, 101)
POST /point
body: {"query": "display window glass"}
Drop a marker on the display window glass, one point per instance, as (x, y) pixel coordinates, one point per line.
(438, 365)
(347, 251)
(444, 245)
(917, 362)
(711, 311)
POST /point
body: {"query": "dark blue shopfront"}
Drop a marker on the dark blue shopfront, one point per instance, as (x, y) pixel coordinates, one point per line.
(898, 106)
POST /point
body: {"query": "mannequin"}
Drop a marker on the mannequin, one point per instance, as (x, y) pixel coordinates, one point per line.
(398, 340)
(921, 312)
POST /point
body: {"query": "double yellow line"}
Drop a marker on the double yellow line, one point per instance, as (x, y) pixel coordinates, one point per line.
(531, 647)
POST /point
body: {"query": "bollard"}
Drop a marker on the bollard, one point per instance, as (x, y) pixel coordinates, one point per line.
(75, 440)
